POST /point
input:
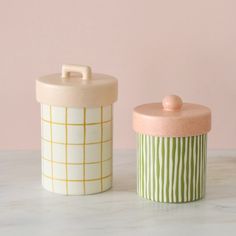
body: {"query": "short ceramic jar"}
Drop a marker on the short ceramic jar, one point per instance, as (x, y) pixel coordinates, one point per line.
(76, 130)
(172, 150)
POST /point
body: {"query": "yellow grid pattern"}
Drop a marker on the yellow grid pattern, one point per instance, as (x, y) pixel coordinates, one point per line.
(77, 180)
(111, 142)
(84, 144)
(76, 163)
(74, 124)
(81, 144)
(66, 132)
(84, 152)
(42, 162)
(101, 145)
(51, 146)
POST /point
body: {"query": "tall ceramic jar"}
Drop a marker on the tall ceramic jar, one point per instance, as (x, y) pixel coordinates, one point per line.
(172, 150)
(76, 130)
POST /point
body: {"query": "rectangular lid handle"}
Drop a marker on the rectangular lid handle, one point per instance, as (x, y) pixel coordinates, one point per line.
(85, 71)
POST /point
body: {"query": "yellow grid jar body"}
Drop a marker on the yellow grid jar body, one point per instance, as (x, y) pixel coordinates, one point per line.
(76, 149)
(76, 130)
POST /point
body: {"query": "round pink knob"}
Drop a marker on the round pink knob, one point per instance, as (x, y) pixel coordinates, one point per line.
(172, 103)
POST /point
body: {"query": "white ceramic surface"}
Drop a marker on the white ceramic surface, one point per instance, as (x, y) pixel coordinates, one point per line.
(76, 149)
(27, 209)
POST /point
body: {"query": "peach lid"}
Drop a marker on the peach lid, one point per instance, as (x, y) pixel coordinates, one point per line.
(83, 89)
(172, 118)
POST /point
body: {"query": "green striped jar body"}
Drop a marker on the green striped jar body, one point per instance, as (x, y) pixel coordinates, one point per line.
(172, 169)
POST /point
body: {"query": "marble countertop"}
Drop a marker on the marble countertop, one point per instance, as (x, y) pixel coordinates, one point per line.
(27, 209)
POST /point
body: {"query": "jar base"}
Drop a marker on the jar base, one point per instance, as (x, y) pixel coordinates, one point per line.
(170, 202)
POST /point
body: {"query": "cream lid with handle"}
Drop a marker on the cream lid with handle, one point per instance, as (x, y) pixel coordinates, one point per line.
(172, 118)
(77, 86)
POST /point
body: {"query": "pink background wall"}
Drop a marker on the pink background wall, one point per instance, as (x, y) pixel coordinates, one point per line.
(153, 47)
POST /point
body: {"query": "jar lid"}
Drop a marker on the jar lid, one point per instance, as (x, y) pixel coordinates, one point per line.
(172, 118)
(77, 86)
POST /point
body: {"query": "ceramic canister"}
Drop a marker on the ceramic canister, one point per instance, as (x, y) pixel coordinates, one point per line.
(172, 150)
(76, 130)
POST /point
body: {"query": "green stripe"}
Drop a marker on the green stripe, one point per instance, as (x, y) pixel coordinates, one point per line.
(158, 167)
(192, 166)
(153, 169)
(163, 166)
(187, 168)
(196, 168)
(171, 169)
(173, 165)
(183, 168)
(167, 169)
(178, 173)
